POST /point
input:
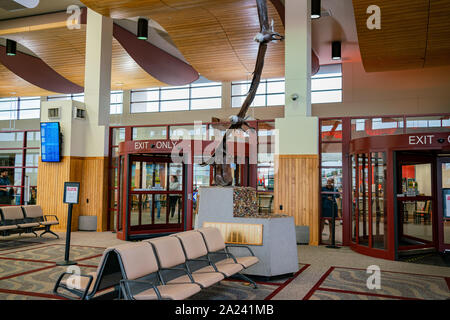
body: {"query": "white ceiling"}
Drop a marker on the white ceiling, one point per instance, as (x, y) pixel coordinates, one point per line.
(340, 26)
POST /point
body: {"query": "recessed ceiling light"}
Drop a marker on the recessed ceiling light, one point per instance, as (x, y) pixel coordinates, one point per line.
(315, 9)
(142, 31)
(336, 50)
(11, 47)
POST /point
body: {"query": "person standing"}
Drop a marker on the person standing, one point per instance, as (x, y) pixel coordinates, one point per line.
(4, 190)
(174, 185)
(329, 204)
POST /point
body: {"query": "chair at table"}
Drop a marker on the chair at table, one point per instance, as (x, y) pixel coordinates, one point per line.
(423, 214)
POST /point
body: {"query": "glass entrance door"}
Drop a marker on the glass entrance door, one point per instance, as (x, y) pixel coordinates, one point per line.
(443, 194)
(156, 195)
(415, 202)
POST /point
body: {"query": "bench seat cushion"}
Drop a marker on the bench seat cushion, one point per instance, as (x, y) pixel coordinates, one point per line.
(49, 223)
(170, 291)
(228, 269)
(206, 279)
(245, 261)
(29, 225)
(11, 227)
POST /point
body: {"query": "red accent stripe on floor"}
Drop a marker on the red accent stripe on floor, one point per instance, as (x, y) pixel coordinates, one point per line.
(277, 290)
(367, 294)
(32, 294)
(27, 260)
(27, 272)
(407, 273)
(317, 285)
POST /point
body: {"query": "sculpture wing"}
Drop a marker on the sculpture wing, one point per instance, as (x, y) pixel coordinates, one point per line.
(263, 15)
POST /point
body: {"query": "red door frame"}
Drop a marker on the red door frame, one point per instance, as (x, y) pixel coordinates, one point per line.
(410, 159)
(390, 144)
(440, 217)
(148, 148)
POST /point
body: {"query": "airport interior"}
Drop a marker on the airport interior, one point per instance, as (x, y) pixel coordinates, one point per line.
(239, 150)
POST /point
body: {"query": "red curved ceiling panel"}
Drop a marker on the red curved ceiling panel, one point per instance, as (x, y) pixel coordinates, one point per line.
(37, 72)
(156, 62)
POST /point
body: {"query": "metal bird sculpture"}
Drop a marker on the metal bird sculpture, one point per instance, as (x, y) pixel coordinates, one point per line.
(222, 170)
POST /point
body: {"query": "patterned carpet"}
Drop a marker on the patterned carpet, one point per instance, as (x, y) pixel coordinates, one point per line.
(28, 270)
(340, 283)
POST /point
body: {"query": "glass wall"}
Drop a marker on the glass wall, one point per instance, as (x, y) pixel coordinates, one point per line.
(331, 175)
(369, 211)
(19, 154)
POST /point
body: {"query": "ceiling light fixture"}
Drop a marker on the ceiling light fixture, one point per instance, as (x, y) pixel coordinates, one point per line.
(336, 50)
(142, 31)
(11, 47)
(315, 9)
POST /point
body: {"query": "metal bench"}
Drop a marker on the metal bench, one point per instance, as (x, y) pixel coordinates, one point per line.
(33, 213)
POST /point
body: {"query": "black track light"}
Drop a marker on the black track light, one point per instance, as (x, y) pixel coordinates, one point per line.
(11, 47)
(336, 50)
(142, 32)
(315, 9)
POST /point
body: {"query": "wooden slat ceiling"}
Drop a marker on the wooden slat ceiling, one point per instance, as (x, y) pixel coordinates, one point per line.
(215, 36)
(64, 51)
(414, 34)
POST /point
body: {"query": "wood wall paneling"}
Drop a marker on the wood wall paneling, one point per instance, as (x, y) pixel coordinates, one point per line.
(92, 175)
(296, 189)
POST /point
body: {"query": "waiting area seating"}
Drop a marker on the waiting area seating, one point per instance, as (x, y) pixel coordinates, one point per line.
(25, 219)
(172, 267)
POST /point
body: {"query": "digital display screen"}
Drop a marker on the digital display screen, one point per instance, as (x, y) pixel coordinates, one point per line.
(50, 144)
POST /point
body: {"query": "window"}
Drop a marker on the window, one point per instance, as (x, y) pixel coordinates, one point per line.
(19, 156)
(326, 85)
(29, 108)
(8, 108)
(20, 108)
(270, 93)
(197, 96)
(116, 102)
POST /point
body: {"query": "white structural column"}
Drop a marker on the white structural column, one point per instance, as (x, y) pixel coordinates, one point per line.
(298, 130)
(296, 191)
(97, 83)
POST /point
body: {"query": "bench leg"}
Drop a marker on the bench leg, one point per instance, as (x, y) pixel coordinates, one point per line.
(34, 233)
(245, 278)
(49, 231)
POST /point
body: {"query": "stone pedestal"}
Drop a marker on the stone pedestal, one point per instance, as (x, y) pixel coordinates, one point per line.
(278, 252)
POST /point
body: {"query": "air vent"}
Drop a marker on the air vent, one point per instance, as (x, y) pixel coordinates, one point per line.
(54, 113)
(79, 113)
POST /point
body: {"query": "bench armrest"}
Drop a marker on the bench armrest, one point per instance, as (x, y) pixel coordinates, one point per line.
(228, 254)
(240, 246)
(125, 286)
(78, 292)
(50, 215)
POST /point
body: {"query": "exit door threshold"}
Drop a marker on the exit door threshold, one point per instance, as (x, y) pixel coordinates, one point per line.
(402, 253)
